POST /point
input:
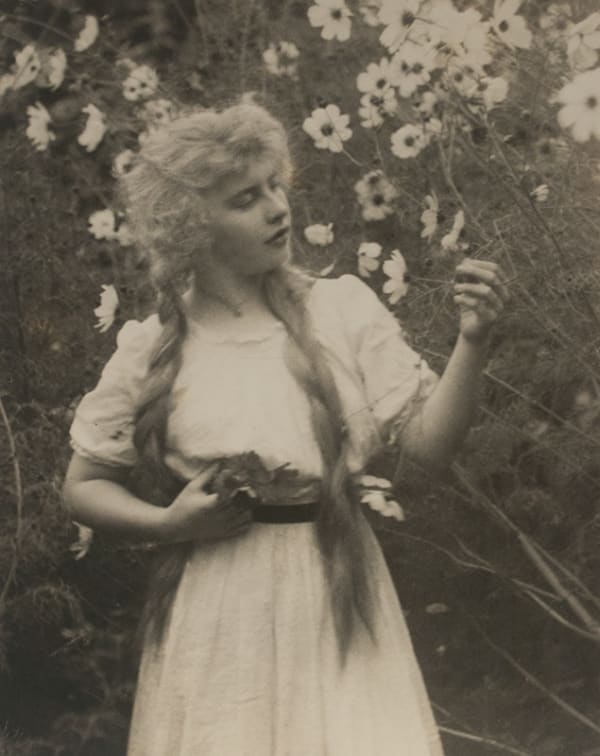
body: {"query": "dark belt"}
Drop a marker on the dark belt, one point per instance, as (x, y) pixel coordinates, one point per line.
(278, 513)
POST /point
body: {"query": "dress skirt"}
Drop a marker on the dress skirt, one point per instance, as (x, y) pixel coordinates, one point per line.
(248, 664)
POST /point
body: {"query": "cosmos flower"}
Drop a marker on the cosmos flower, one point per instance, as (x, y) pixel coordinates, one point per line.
(450, 241)
(413, 64)
(489, 91)
(400, 20)
(408, 141)
(140, 84)
(328, 127)
(556, 22)
(38, 130)
(333, 16)
(377, 78)
(102, 224)
(280, 59)
(379, 502)
(540, 193)
(368, 252)
(158, 112)
(510, 27)
(95, 128)
(53, 66)
(584, 42)
(581, 106)
(87, 36)
(375, 107)
(105, 312)
(369, 10)
(318, 234)
(375, 194)
(122, 162)
(429, 216)
(395, 269)
(460, 33)
(27, 66)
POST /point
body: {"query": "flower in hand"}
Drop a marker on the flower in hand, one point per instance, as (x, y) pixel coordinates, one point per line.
(480, 292)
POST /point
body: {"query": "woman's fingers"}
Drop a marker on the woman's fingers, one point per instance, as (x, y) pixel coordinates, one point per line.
(477, 305)
(482, 292)
(490, 273)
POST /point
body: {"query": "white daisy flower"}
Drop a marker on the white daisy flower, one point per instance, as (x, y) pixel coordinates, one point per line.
(413, 64)
(462, 75)
(408, 141)
(87, 36)
(429, 216)
(425, 103)
(540, 193)
(461, 33)
(375, 193)
(280, 59)
(510, 28)
(124, 236)
(375, 107)
(159, 111)
(369, 10)
(557, 21)
(400, 18)
(584, 42)
(490, 91)
(368, 252)
(105, 312)
(38, 130)
(141, 83)
(102, 224)
(6, 82)
(26, 67)
(379, 502)
(53, 66)
(377, 78)
(94, 130)
(581, 106)
(371, 481)
(395, 269)
(328, 127)
(333, 16)
(122, 162)
(450, 241)
(318, 234)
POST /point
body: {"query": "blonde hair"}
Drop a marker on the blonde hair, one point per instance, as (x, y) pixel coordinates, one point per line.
(163, 195)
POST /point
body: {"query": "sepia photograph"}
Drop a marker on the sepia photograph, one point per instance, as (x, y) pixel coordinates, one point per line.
(300, 378)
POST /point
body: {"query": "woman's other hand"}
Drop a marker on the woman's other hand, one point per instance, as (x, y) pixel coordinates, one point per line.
(196, 515)
(481, 295)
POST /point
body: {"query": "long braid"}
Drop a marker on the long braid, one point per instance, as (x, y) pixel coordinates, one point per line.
(150, 442)
(341, 527)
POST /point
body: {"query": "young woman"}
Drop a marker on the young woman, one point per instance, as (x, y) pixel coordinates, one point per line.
(275, 629)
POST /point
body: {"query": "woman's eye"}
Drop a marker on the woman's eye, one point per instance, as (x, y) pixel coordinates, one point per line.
(245, 200)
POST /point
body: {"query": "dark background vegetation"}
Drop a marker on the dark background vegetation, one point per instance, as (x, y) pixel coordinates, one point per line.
(497, 564)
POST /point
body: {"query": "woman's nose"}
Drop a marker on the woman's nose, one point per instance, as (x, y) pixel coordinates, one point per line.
(277, 207)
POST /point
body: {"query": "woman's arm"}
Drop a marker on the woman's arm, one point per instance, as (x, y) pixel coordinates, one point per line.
(97, 497)
(433, 436)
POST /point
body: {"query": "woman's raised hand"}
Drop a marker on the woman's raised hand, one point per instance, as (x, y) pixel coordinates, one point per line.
(480, 293)
(195, 514)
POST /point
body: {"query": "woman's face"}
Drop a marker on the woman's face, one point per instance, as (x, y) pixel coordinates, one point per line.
(249, 218)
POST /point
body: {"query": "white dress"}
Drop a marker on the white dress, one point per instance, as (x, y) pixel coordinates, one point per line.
(248, 665)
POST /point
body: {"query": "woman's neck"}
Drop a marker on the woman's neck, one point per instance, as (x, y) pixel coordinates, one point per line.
(226, 297)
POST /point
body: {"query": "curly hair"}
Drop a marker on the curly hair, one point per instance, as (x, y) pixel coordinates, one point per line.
(163, 196)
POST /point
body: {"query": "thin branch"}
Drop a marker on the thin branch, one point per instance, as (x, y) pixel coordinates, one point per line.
(19, 502)
(566, 707)
(485, 741)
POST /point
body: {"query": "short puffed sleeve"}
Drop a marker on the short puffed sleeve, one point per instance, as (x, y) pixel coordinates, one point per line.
(396, 378)
(103, 425)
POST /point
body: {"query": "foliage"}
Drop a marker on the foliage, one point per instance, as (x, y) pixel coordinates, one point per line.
(479, 145)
